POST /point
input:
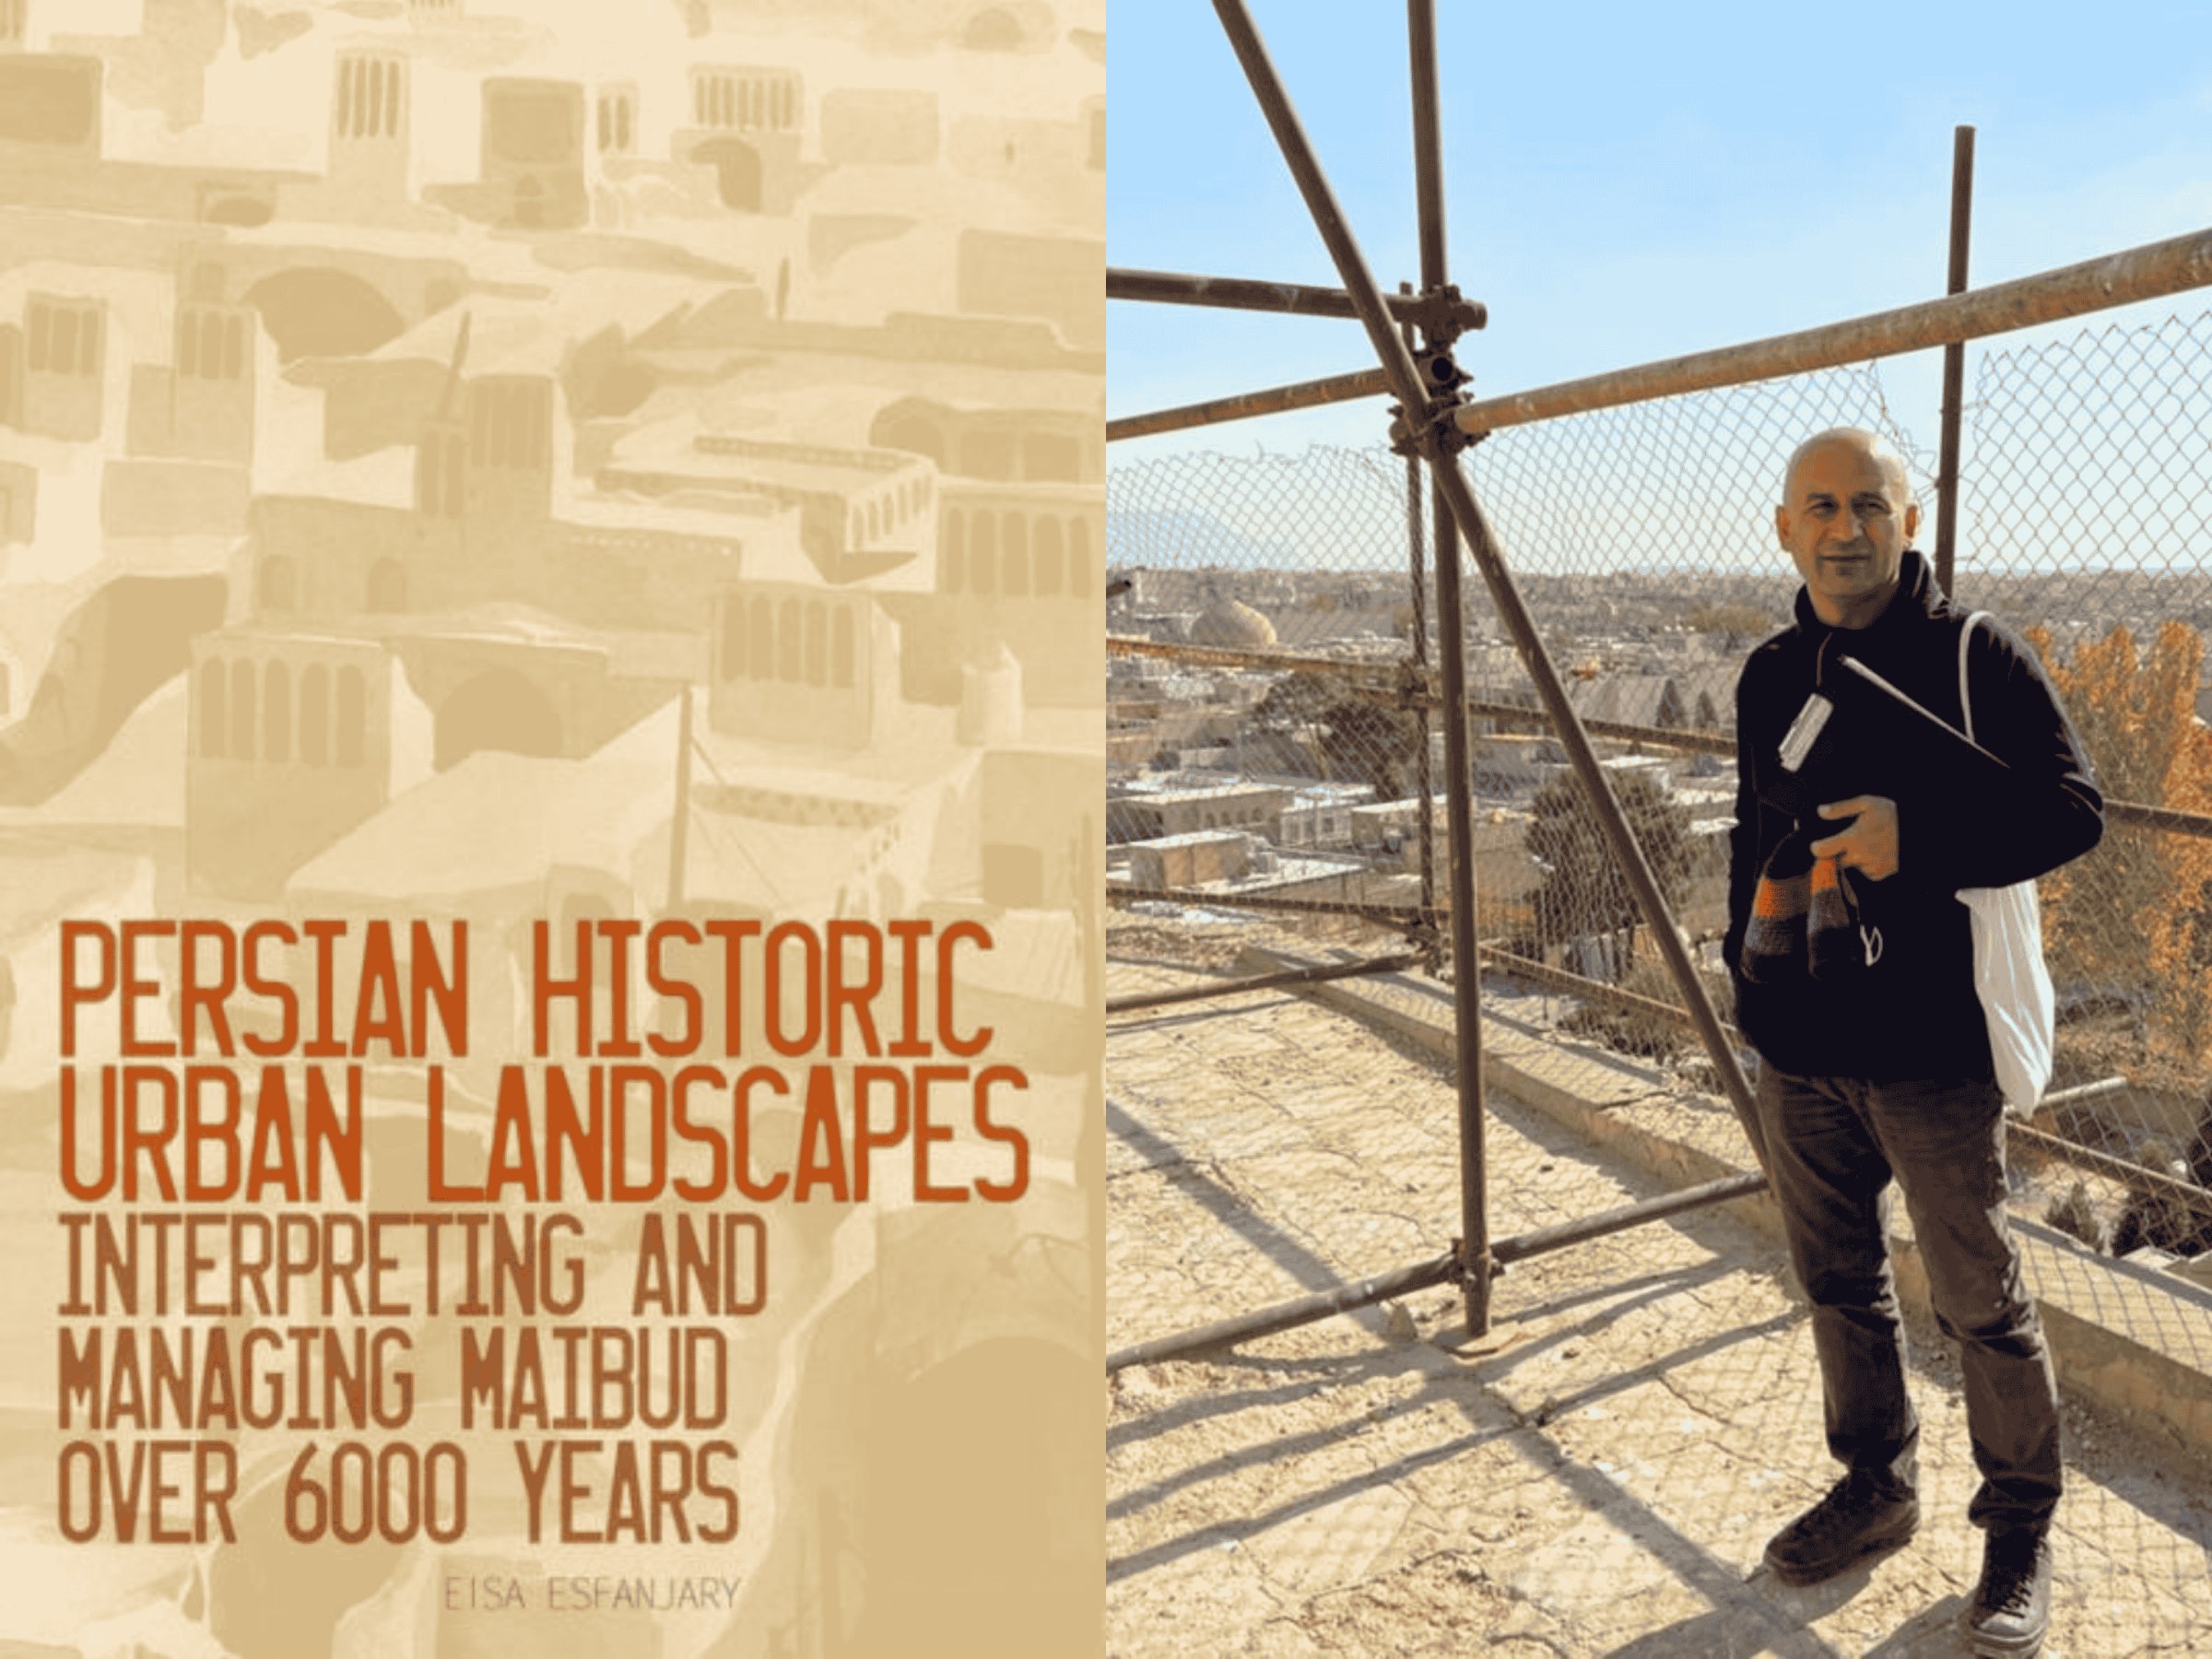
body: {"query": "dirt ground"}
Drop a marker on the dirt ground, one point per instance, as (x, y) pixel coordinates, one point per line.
(1597, 1475)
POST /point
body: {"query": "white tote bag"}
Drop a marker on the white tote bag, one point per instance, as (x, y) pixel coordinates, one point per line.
(2009, 974)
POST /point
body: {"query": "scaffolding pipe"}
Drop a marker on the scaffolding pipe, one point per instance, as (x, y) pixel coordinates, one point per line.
(1342, 1299)
(1575, 984)
(1421, 1275)
(1284, 1316)
(1238, 656)
(1244, 405)
(1404, 918)
(1451, 654)
(1241, 293)
(2150, 272)
(2172, 821)
(1264, 981)
(1474, 527)
(1582, 1231)
(1416, 560)
(1954, 363)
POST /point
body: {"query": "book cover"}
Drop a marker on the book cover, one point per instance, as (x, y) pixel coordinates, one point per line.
(551, 697)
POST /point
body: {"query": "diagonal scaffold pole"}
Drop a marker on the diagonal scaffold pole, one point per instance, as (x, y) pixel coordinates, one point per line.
(1430, 417)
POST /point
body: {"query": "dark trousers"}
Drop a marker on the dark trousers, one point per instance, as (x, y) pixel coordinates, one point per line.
(1832, 1146)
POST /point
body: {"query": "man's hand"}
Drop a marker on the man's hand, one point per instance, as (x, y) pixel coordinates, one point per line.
(1868, 844)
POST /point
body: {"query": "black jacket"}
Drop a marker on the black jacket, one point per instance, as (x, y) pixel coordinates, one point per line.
(1963, 821)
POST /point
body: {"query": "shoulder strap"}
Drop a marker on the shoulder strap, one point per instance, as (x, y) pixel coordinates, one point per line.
(1965, 704)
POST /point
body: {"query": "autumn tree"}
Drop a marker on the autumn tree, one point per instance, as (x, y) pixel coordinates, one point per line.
(2181, 939)
(2135, 916)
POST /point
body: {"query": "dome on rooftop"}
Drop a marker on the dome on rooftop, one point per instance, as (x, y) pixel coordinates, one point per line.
(1226, 622)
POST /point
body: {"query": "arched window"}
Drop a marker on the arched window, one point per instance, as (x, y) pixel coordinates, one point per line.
(760, 662)
(277, 712)
(817, 643)
(353, 710)
(241, 711)
(1013, 556)
(840, 647)
(234, 349)
(982, 559)
(213, 684)
(314, 715)
(954, 552)
(789, 663)
(732, 638)
(1048, 556)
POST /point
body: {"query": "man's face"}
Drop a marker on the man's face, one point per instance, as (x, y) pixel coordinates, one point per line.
(1846, 519)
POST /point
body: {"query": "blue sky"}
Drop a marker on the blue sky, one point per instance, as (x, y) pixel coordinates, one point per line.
(1627, 183)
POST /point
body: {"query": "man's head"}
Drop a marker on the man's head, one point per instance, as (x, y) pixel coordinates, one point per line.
(1847, 515)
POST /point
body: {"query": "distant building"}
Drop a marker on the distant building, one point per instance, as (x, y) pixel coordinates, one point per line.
(530, 172)
(1152, 814)
(1320, 817)
(747, 123)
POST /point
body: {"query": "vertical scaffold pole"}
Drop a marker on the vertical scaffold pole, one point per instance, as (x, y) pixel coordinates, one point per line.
(1954, 362)
(1451, 662)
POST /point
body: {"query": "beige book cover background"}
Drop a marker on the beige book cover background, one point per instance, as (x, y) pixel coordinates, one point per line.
(550, 700)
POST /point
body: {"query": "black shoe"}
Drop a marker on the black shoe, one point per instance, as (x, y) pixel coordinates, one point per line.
(2011, 1609)
(1862, 1516)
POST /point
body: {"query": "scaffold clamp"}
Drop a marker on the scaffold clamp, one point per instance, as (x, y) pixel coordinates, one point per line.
(1435, 430)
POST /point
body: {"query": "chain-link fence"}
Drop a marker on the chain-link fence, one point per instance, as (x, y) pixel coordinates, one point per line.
(1264, 750)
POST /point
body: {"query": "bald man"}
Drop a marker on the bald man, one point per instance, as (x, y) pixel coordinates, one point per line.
(1857, 823)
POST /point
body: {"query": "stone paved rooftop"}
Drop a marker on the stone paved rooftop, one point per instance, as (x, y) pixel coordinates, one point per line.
(1596, 1476)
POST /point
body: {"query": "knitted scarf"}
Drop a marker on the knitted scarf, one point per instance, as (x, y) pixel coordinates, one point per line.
(1805, 919)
